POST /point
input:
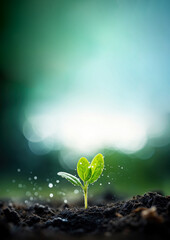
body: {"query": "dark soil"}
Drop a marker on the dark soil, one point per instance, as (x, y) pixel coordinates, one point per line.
(142, 217)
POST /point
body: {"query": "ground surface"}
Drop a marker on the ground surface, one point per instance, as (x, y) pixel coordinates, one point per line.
(146, 216)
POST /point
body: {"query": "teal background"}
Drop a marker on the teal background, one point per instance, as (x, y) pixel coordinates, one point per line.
(73, 61)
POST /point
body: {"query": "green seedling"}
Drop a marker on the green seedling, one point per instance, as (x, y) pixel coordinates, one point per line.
(88, 173)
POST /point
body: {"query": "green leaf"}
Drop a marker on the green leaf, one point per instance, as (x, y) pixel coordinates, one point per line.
(74, 180)
(97, 166)
(84, 169)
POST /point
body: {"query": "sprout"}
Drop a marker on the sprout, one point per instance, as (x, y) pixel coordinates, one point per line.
(88, 173)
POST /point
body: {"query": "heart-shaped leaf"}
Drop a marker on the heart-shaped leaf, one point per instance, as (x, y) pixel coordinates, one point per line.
(84, 169)
(97, 166)
(74, 180)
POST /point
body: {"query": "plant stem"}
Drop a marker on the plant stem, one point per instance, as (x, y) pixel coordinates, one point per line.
(85, 196)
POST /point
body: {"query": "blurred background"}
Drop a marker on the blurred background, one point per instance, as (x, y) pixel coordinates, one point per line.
(79, 78)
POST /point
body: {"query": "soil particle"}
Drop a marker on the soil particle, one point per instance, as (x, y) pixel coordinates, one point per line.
(41, 209)
(110, 212)
(1, 204)
(168, 209)
(151, 215)
(11, 215)
(146, 216)
(32, 220)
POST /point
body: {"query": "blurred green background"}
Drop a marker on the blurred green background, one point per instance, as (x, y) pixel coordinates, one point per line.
(81, 77)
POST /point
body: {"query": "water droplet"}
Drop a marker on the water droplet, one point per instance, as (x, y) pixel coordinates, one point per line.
(108, 182)
(50, 185)
(20, 185)
(65, 201)
(31, 198)
(36, 193)
(100, 184)
(121, 167)
(35, 177)
(40, 188)
(51, 195)
(76, 191)
(107, 175)
(62, 193)
(57, 181)
(18, 170)
(28, 194)
(33, 189)
(13, 181)
(26, 201)
(29, 179)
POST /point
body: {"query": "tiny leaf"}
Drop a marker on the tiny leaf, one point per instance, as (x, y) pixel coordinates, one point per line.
(84, 169)
(97, 166)
(74, 180)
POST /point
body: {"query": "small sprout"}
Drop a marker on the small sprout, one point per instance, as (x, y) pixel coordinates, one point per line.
(88, 173)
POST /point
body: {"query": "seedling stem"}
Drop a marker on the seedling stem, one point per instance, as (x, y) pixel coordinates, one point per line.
(85, 196)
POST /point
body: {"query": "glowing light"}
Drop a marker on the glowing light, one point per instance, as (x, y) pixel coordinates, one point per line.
(39, 148)
(50, 185)
(87, 130)
(51, 195)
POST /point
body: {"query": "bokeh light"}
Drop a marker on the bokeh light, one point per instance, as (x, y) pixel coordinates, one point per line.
(82, 77)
